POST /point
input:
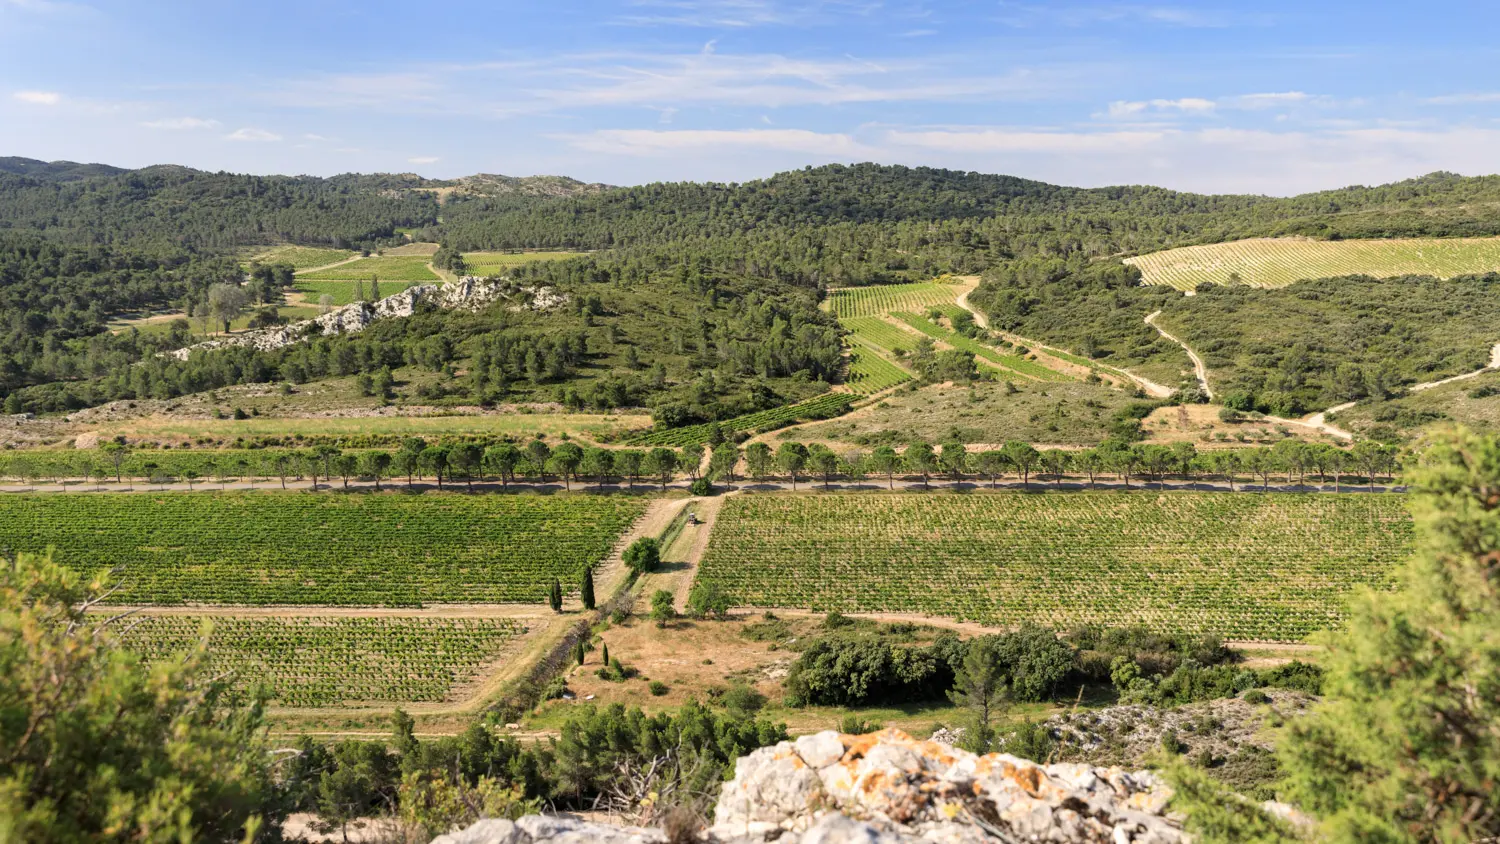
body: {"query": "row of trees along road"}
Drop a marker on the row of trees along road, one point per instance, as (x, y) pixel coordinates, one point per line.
(794, 462)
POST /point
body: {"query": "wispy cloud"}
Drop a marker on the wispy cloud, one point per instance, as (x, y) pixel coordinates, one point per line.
(181, 123)
(646, 142)
(250, 133)
(46, 98)
(1131, 109)
(739, 14)
(1477, 98)
(1072, 15)
(424, 159)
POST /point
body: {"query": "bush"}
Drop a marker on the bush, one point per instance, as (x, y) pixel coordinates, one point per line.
(643, 555)
(658, 688)
(847, 671)
(663, 609)
(708, 598)
(742, 700)
(702, 486)
(1256, 696)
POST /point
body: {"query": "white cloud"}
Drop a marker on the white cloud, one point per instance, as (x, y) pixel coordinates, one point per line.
(647, 142)
(178, 123)
(1271, 100)
(424, 159)
(742, 14)
(249, 133)
(1186, 105)
(1026, 15)
(1465, 99)
(46, 98)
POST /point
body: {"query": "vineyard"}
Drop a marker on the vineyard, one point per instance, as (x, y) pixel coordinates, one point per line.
(825, 406)
(885, 298)
(390, 268)
(342, 292)
(1014, 363)
(325, 661)
(300, 257)
(869, 373)
(302, 549)
(1270, 567)
(1277, 262)
(498, 263)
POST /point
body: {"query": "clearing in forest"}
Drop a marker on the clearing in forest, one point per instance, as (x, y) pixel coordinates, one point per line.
(498, 263)
(385, 268)
(1268, 567)
(1277, 262)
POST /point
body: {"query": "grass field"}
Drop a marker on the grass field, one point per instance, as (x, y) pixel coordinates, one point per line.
(886, 298)
(300, 257)
(1074, 413)
(386, 268)
(1277, 262)
(329, 660)
(275, 548)
(1272, 567)
(496, 263)
(343, 291)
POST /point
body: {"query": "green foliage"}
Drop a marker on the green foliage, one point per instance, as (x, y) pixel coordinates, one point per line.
(1242, 566)
(1217, 816)
(856, 671)
(1403, 748)
(93, 747)
(663, 609)
(643, 555)
(291, 548)
(708, 599)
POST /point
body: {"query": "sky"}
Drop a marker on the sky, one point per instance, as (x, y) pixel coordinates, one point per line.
(1248, 97)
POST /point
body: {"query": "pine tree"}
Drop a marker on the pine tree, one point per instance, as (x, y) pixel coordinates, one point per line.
(587, 590)
(556, 596)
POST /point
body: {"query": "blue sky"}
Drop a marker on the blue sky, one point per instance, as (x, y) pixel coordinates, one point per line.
(1267, 97)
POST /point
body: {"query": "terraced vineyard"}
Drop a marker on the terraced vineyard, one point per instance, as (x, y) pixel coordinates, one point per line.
(305, 549)
(1277, 262)
(825, 406)
(1270, 567)
(327, 660)
(885, 298)
(869, 373)
(387, 268)
(1014, 363)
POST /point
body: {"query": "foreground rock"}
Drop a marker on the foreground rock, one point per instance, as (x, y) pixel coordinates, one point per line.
(888, 787)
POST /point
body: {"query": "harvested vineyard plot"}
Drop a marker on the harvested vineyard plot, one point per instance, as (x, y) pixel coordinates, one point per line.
(497, 263)
(885, 298)
(301, 257)
(1272, 567)
(301, 549)
(325, 661)
(389, 268)
(825, 406)
(342, 292)
(1277, 262)
(1014, 363)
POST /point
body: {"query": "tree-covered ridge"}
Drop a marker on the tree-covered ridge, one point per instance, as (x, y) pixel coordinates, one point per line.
(61, 171)
(178, 206)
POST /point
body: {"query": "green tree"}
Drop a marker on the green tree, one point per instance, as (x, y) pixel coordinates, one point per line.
(920, 458)
(824, 462)
(790, 458)
(405, 462)
(96, 747)
(954, 459)
(599, 462)
(346, 464)
(1023, 457)
(434, 458)
(375, 464)
(565, 460)
(706, 598)
(885, 461)
(555, 596)
(660, 463)
(643, 555)
(757, 460)
(980, 687)
(1405, 746)
(466, 458)
(662, 609)
(628, 464)
(722, 462)
(586, 589)
(502, 459)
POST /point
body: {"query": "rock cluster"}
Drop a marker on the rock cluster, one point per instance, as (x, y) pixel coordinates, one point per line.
(468, 293)
(887, 788)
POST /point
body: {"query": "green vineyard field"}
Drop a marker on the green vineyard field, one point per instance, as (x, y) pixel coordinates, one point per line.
(869, 373)
(885, 298)
(1266, 567)
(1018, 365)
(825, 406)
(325, 661)
(273, 548)
(1277, 262)
(342, 292)
(387, 268)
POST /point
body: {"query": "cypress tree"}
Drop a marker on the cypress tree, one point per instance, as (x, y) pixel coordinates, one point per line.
(556, 596)
(587, 590)
(580, 652)
(604, 655)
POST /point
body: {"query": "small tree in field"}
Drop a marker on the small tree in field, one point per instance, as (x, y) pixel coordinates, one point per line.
(586, 590)
(554, 596)
(662, 609)
(643, 555)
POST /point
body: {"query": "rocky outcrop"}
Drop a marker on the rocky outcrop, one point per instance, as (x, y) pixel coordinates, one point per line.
(468, 293)
(887, 787)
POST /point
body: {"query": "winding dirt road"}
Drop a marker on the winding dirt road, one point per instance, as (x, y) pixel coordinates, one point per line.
(1199, 369)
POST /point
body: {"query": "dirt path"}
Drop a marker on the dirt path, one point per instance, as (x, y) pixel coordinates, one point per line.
(1493, 365)
(1152, 388)
(611, 573)
(348, 260)
(1199, 369)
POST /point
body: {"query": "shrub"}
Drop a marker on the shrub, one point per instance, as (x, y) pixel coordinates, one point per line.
(1256, 696)
(658, 688)
(643, 555)
(662, 607)
(742, 700)
(708, 598)
(702, 486)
